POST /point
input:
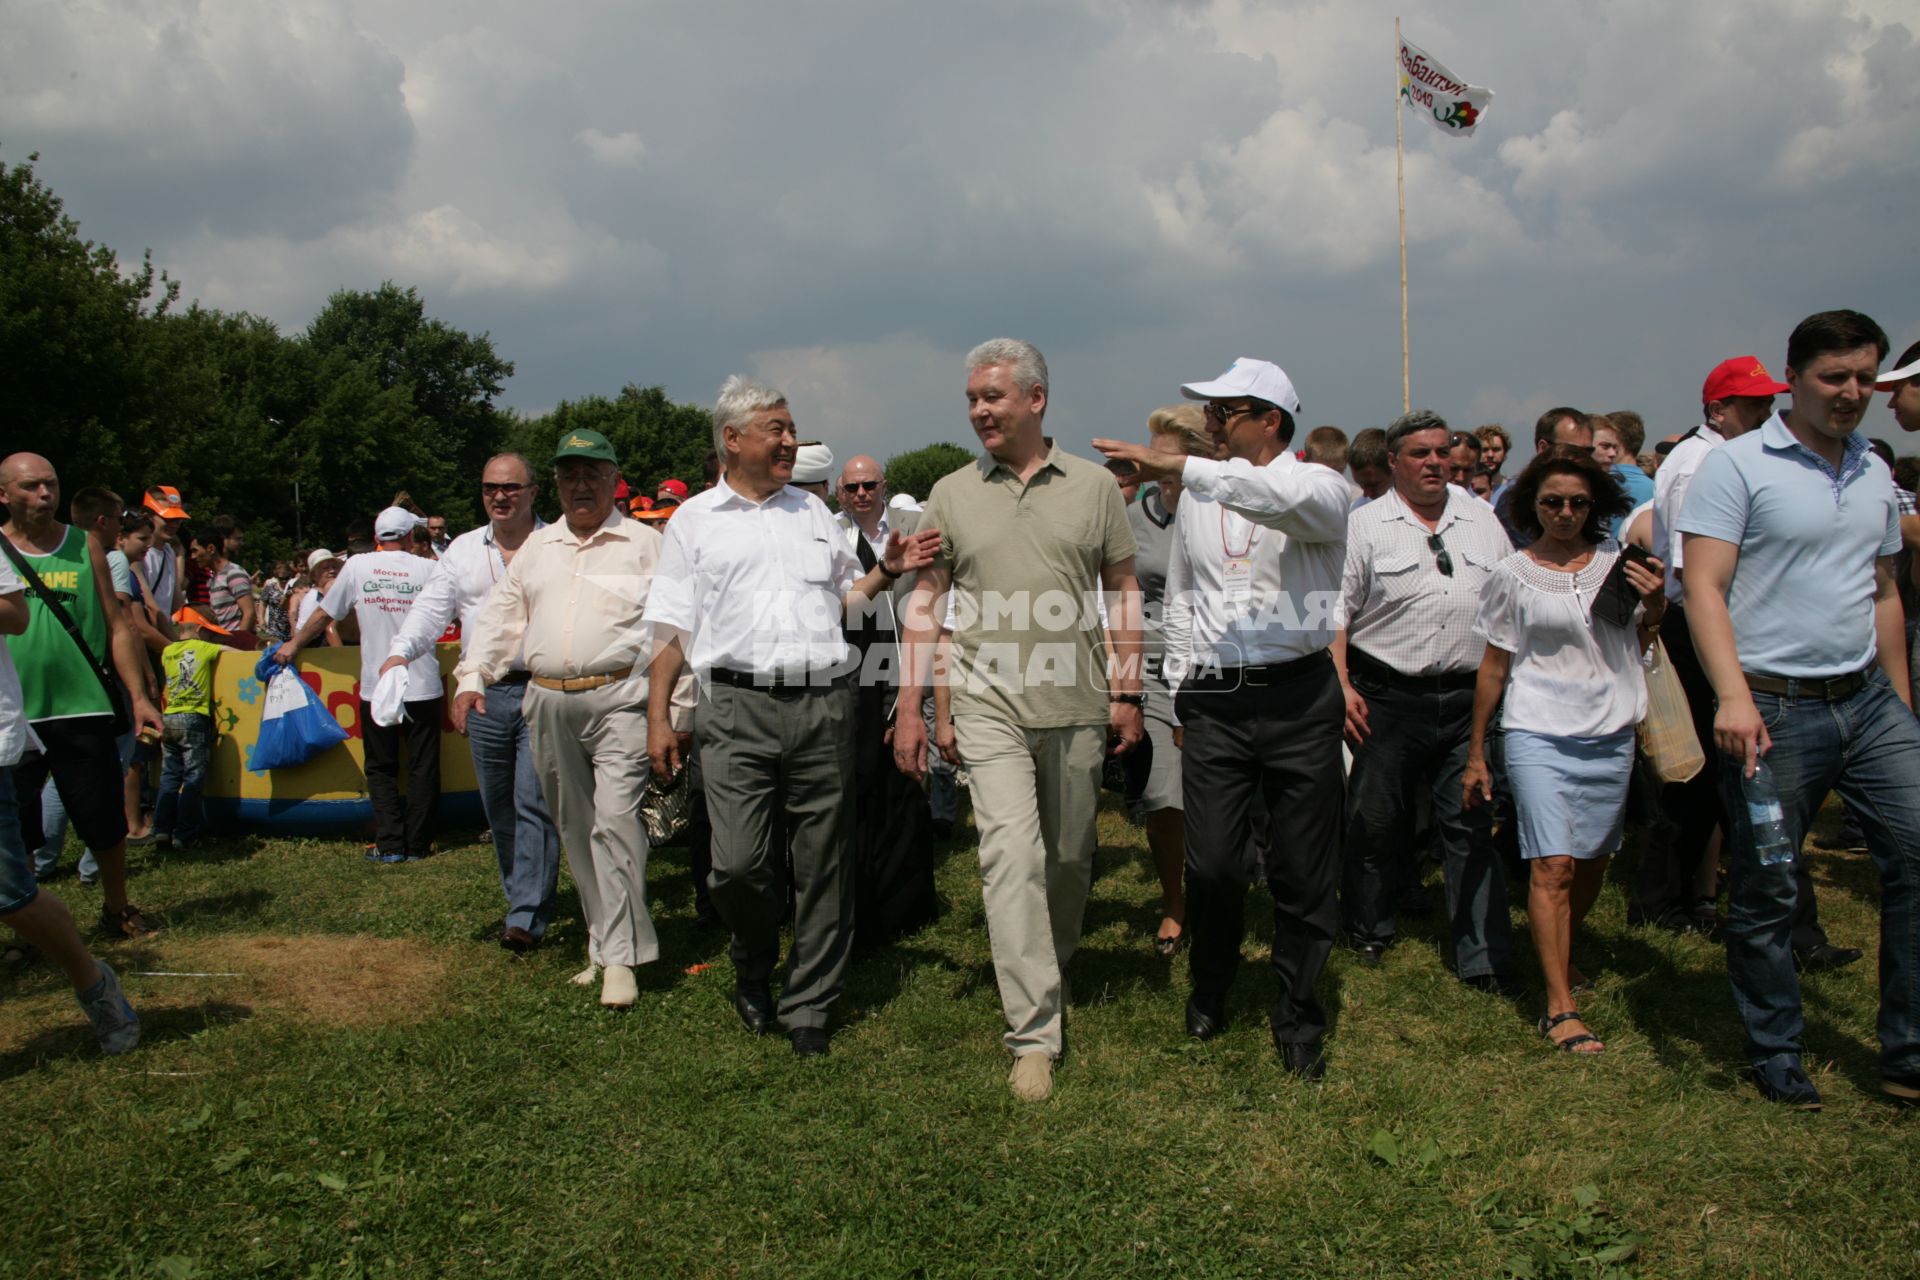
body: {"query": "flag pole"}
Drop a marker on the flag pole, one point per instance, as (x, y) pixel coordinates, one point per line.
(1400, 179)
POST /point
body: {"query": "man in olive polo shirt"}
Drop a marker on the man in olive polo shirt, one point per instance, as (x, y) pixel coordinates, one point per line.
(1028, 534)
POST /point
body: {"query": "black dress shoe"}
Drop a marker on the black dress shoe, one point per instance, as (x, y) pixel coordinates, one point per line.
(809, 1042)
(1487, 982)
(1824, 957)
(754, 1003)
(518, 940)
(1206, 1016)
(1369, 953)
(1303, 1058)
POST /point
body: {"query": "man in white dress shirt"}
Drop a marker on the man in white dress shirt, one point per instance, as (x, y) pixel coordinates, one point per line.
(1416, 560)
(755, 579)
(569, 609)
(525, 842)
(1253, 586)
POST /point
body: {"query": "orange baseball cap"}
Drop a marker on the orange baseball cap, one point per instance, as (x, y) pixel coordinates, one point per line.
(164, 501)
(193, 617)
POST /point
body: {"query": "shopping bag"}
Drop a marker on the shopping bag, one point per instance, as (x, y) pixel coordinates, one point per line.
(295, 726)
(1667, 738)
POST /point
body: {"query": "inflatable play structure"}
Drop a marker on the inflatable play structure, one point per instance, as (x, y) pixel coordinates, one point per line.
(327, 795)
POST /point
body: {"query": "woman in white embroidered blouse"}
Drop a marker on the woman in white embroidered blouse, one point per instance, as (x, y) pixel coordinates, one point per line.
(1574, 690)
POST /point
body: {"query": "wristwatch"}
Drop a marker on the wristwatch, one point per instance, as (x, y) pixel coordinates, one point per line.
(1130, 699)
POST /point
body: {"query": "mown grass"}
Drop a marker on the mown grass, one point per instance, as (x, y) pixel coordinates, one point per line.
(490, 1119)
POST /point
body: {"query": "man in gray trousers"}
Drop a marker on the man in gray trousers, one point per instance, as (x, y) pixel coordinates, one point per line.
(753, 582)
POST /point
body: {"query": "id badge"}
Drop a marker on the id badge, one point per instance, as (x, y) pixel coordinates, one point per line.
(1236, 578)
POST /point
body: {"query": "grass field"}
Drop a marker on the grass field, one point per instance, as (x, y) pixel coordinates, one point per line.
(381, 1093)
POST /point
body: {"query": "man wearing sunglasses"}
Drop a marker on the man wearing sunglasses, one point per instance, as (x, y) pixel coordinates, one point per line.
(525, 842)
(1253, 587)
(1416, 561)
(893, 889)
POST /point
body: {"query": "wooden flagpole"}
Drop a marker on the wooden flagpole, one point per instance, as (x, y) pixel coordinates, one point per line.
(1400, 176)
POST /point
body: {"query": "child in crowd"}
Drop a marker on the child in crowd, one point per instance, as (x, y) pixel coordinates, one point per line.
(188, 663)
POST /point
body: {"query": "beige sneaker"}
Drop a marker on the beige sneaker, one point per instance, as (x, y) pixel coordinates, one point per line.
(1032, 1077)
(617, 987)
(586, 977)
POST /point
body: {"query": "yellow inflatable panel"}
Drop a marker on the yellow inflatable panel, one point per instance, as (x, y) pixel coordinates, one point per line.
(329, 793)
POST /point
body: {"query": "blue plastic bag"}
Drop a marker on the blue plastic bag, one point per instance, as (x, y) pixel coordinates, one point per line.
(295, 726)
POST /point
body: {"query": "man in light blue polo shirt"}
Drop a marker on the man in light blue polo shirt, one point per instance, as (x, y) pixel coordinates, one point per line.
(1789, 537)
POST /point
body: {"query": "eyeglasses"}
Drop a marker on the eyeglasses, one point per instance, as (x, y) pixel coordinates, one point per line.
(1441, 560)
(502, 490)
(859, 486)
(1554, 502)
(1225, 413)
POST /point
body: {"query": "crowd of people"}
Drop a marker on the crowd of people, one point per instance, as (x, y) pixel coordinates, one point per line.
(1318, 664)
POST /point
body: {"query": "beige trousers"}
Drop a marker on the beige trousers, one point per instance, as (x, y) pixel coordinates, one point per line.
(590, 750)
(1035, 793)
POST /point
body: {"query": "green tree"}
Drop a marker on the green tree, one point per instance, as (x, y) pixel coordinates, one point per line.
(916, 470)
(653, 436)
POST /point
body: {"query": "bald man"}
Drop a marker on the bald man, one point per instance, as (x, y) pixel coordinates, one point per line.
(893, 831)
(67, 701)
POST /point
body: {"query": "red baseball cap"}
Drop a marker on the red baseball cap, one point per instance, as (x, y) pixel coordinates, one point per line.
(678, 488)
(1740, 376)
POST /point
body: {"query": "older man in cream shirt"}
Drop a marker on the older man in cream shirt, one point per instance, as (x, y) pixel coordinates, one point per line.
(573, 598)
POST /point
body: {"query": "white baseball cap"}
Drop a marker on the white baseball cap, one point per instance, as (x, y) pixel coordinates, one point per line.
(1261, 379)
(394, 524)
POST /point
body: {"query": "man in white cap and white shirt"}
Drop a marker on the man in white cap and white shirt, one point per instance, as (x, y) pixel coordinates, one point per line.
(525, 841)
(1253, 583)
(569, 609)
(378, 589)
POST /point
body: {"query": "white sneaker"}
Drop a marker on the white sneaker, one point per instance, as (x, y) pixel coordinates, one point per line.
(618, 989)
(115, 1024)
(1032, 1077)
(586, 977)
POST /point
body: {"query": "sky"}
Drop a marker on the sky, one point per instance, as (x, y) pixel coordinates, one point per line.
(843, 196)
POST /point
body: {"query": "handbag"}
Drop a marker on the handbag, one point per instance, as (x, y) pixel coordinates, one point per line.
(663, 806)
(1667, 737)
(116, 696)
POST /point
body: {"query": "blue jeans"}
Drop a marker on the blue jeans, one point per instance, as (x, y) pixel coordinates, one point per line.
(53, 832)
(18, 888)
(1419, 735)
(184, 754)
(525, 841)
(1866, 747)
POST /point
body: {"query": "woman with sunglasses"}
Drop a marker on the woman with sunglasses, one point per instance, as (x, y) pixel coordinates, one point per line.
(1573, 691)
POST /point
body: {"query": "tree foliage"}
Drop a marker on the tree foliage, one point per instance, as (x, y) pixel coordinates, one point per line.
(653, 437)
(916, 470)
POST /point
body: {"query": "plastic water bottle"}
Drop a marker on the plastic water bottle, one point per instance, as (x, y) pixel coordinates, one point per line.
(1770, 842)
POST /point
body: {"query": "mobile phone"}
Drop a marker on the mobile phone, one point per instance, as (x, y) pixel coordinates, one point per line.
(1616, 598)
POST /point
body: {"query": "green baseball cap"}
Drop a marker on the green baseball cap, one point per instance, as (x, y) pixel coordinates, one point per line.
(584, 444)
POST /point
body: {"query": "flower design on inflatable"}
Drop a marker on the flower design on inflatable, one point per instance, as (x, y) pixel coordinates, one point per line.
(249, 690)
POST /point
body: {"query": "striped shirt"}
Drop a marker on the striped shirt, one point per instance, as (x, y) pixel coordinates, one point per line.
(1396, 605)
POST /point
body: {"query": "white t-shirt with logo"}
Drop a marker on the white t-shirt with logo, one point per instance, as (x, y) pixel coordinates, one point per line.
(380, 586)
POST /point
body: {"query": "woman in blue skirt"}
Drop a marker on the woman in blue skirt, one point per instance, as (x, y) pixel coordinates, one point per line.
(1574, 690)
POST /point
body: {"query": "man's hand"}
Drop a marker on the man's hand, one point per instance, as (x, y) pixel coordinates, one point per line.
(1148, 463)
(1740, 734)
(1126, 721)
(1179, 738)
(947, 741)
(464, 705)
(286, 653)
(910, 747)
(146, 719)
(907, 552)
(1476, 783)
(665, 748)
(395, 661)
(1357, 727)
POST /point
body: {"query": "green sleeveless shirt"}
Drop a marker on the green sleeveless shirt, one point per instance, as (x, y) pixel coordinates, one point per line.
(55, 680)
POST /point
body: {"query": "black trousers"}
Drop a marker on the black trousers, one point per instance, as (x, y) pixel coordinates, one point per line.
(1282, 742)
(893, 891)
(403, 826)
(1665, 877)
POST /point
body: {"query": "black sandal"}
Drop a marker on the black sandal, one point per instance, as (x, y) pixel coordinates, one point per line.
(1170, 947)
(1549, 1021)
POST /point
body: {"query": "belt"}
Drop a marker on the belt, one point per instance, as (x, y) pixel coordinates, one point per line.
(1269, 674)
(783, 680)
(1830, 689)
(580, 684)
(1373, 669)
(518, 677)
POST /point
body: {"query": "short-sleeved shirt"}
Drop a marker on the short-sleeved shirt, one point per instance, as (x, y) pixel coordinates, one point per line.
(1573, 675)
(1153, 534)
(1396, 605)
(226, 588)
(1802, 596)
(379, 587)
(1026, 558)
(16, 735)
(188, 665)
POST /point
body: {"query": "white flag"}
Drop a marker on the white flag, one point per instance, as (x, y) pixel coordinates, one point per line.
(1453, 105)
